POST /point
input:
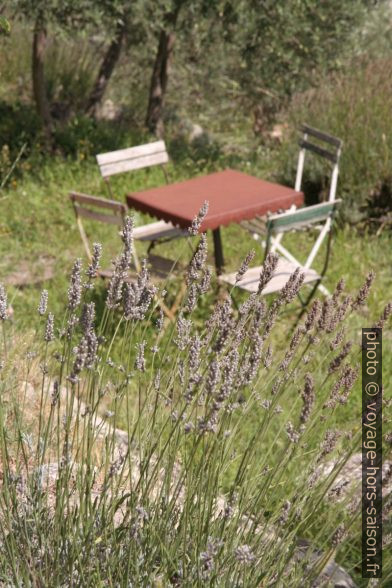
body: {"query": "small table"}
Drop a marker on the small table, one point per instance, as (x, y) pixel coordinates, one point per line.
(233, 196)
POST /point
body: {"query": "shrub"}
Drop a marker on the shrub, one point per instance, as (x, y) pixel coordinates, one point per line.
(354, 106)
(19, 124)
(217, 470)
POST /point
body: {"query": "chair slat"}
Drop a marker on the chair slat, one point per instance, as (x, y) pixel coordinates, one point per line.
(281, 275)
(98, 202)
(319, 150)
(157, 230)
(131, 152)
(256, 225)
(104, 218)
(302, 217)
(125, 165)
(161, 268)
(132, 158)
(322, 136)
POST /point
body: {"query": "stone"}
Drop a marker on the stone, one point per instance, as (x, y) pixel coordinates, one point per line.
(28, 273)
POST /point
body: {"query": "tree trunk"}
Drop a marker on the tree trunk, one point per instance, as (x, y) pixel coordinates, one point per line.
(39, 89)
(105, 71)
(159, 79)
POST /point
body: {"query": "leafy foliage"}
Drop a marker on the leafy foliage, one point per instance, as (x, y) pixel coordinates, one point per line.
(356, 107)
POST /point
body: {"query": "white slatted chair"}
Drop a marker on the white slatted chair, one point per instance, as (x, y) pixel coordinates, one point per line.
(278, 224)
(111, 212)
(315, 142)
(132, 159)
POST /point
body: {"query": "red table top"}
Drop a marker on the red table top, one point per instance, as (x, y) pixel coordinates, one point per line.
(232, 196)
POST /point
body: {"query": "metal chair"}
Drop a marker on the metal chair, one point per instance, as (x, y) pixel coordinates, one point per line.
(113, 213)
(305, 218)
(135, 158)
(316, 142)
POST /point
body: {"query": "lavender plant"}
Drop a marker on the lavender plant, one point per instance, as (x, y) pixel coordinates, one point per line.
(190, 455)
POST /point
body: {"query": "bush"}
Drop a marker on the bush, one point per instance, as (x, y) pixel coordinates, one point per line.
(217, 470)
(19, 124)
(356, 107)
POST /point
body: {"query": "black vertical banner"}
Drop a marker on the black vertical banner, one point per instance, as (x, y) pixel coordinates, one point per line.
(372, 453)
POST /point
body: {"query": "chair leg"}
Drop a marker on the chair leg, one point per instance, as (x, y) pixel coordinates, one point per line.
(167, 311)
(151, 246)
(136, 259)
(178, 298)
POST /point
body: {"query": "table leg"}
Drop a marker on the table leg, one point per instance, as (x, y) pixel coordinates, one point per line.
(218, 251)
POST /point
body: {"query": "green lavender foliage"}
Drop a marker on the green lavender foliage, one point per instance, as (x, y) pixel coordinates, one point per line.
(137, 451)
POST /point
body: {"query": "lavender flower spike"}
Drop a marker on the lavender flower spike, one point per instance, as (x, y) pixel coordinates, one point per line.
(244, 554)
(43, 303)
(95, 259)
(364, 291)
(75, 288)
(197, 221)
(269, 266)
(49, 329)
(3, 303)
(244, 265)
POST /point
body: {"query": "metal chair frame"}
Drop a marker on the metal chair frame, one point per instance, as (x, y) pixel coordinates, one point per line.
(132, 159)
(113, 212)
(325, 146)
(320, 217)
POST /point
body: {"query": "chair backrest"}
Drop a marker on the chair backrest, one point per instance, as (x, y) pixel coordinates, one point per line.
(133, 158)
(98, 209)
(303, 217)
(323, 145)
(299, 219)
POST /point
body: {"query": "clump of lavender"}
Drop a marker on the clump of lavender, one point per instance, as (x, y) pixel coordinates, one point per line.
(197, 418)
